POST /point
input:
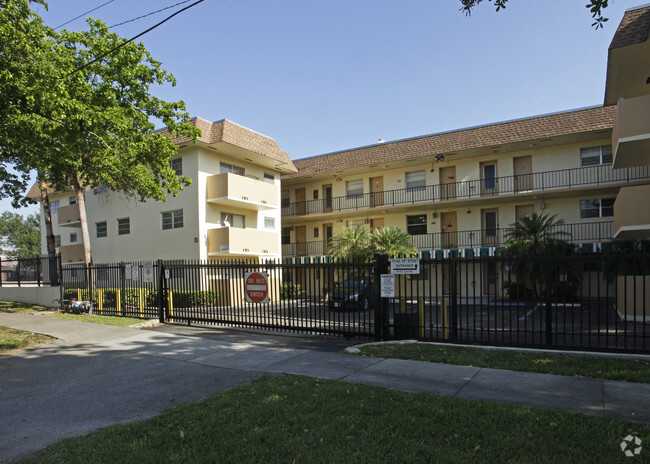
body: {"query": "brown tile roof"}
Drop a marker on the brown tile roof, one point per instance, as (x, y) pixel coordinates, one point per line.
(555, 125)
(230, 132)
(633, 29)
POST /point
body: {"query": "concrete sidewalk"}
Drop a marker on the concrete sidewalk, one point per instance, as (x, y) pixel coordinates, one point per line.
(96, 375)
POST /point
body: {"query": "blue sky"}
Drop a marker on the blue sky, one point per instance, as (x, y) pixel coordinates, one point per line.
(322, 76)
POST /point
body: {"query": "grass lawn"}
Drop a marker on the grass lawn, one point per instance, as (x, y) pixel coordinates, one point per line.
(630, 370)
(13, 307)
(298, 419)
(97, 319)
(11, 339)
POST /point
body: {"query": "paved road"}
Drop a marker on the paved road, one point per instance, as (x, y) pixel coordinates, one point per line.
(97, 375)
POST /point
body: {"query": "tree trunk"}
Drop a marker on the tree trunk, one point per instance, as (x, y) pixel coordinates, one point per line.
(83, 220)
(49, 235)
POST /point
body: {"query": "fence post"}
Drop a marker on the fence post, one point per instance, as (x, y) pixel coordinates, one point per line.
(18, 267)
(549, 304)
(453, 299)
(380, 266)
(123, 286)
(161, 292)
(0, 271)
(38, 270)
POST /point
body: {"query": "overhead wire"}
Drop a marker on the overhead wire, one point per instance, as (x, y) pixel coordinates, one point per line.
(135, 37)
(149, 14)
(83, 14)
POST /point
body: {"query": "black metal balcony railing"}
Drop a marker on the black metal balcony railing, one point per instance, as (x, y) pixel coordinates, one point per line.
(574, 233)
(523, 183)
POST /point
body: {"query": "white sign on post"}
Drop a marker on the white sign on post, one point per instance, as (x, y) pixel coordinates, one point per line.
(147, 272)
(388, 286)
(127, 271)
(135, 273)
(405, 266)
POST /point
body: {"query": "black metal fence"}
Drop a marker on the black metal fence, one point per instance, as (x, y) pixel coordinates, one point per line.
(29, 272)
(592, 301)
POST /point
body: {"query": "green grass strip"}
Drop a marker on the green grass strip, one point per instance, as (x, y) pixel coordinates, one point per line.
(297, 419)
(11, 339)
(14, 307)
(97, 319)
(629, 370)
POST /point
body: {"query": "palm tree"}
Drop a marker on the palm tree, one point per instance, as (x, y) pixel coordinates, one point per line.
(352, 244)
(533, 237)
(393, 242)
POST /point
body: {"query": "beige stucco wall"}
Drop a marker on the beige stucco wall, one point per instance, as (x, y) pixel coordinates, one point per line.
(43, 296)
(633, 297)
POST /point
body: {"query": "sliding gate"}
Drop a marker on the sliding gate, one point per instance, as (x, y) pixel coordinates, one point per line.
(582, 302)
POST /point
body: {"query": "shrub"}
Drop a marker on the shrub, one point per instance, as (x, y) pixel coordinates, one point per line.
(289, 291)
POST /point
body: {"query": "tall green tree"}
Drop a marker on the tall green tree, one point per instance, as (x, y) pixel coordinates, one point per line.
(20, 236)
(25, 80)
(91, 123)
(595, 7)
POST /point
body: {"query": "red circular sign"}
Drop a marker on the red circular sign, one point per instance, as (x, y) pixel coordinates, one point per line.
(256, 286)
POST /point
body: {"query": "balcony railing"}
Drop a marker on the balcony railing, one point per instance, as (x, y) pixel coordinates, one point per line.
(522, 183)
(574, 233)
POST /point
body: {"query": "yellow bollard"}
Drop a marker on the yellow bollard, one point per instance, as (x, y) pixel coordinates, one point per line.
(402, 305)
(100, 301)
(141, 300)
(170, 305)
(118, 302)
(421, 317)
(443, 318)
(79, 295)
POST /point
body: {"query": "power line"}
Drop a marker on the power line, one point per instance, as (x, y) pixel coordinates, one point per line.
(148, 14)
(137, 36)
(83, 14)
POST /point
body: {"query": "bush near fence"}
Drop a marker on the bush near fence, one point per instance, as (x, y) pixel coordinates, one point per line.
(181, 298)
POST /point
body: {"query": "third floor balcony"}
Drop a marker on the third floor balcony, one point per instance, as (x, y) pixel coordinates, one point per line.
(473, 189)
(242, 192)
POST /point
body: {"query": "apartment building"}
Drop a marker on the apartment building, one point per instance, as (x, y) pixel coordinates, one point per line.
(231, 210)
(459, 191)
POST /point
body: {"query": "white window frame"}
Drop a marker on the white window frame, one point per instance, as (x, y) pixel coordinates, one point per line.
(72, 200)
(172, 219)
(269, 222)
(54, 206)
(231, 168)
(177, 165)
(353, 188)
(121, 222)
(73, 237)
(418, 224)
(591, 205)
(600, 155)
(415, 180)
(101, 224)
(57, 241)
(269, 177)
(233, 220)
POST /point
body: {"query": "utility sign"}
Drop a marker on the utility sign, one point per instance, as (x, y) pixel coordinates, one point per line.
(405, 266)
(147, 272)
(388, 286)
(256, 287)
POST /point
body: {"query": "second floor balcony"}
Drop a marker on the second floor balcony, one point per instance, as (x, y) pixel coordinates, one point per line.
(588, 232)
(472, 189)
(631, 134)
(233, 241)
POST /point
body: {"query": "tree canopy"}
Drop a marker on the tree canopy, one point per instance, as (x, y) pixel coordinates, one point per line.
(77, 107)
(20, 236)
(360, 243)
(596, 8)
